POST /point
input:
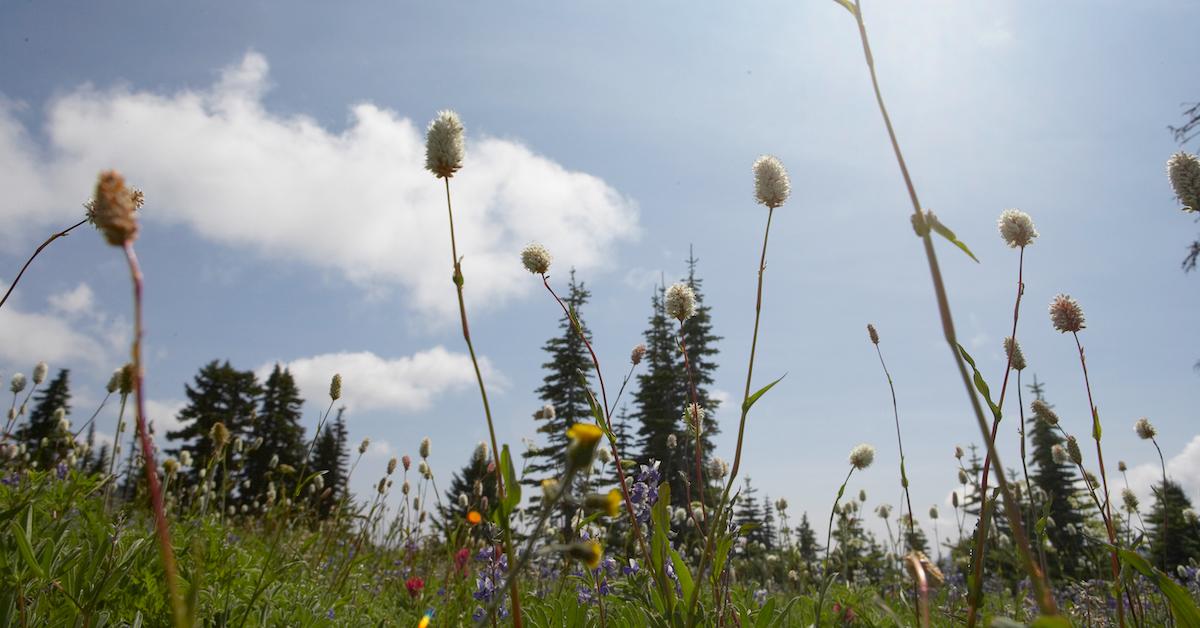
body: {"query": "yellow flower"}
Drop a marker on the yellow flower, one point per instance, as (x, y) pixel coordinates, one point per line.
(587, 552)
(424, 623)
(609, 504)
(587, 434)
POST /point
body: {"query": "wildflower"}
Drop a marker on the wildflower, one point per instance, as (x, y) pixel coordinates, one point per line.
(113, 382)
(1016, 227)
(1058, 454)
(1016, 357)
(362, 447)
(414, 586)
(958, 452)
(549, 490)
(793, 576)
(112, 209)
(718, 468)
(219, 434)
(18, 383)
(607, 503)
(463, 501)
(335, 387)
(382, 486)
(474, 517)
(954, 499)
(680, 302)
(1145, 430)
(1131, 501)
(424, 470)
(404, 488)
(884, 511)
(444, 145)
(1073, 450)
(587, 552)
(933, 512)
(872, 334)
(604, 455)
(584, 437)
(1183, 170)
(425, 619)
(694, 415)
(185, 458)
(39, 373)
(546, 412)
(60, 418)
(639, 352)
(771, 184)
(127, 379)
(862, 456)
(423, 450)
(671, 441)
(1121, 466)
(1066, 314)
(170, 466)
(536, 258)
(1043, 413)
(862, 494)
(781, 504)
(481, 452)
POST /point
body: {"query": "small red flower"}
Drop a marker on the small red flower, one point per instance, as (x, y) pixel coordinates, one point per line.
(414, 586)
(407, 462)
(460, 559)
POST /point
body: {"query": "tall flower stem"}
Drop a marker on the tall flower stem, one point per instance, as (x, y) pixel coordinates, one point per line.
(1108, 520)
(1162, 462)
(829, 548)
(719, 515)
(166, 553)
(984, 504)
(1043, 595)
(514, 587)
(54, 236)
(693, 414)
(899, 442)
(633, 520)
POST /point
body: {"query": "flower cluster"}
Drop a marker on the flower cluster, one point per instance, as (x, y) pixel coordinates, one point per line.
(644, 491)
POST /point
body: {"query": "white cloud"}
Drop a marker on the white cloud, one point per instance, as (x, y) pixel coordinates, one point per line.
(1182, 468)
(403, 384)
(358, 201)
(29, 337)
(78, 301)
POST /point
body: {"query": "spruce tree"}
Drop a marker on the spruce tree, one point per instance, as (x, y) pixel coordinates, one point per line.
(219, 394)
(1183, 531)
(278, 425)
(463, 485)
(43, 425)
(701, 345)
(768, 523)
(806, 542)
(747, 515)
(563, 390)
(1057, 483)
(660, 399)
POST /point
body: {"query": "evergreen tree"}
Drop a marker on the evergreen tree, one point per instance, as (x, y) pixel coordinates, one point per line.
(1057, 483)
(806, 542)
(562, 390)
(747, 515)
(1182, 542)
(768, 523)
(220, 394)
(916, 539)
(100, 463)
(463, 484)
(330, 456)
(278, 425)
(43, 425)
(701, 351)
(89, 452)
(660, 400)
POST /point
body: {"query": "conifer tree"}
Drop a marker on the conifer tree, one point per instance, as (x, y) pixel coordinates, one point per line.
(100, 462)
(747, 515)
(702, 351)
(330, 456)
(563, 391)
(464, 483)
(278, 425)
(1171, 506)
(806, 542)
(1058, 484)
(43, 425)
(768, 523)
(219, 394)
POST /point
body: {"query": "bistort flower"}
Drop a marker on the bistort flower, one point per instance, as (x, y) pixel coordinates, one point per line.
(680, 302)
(771, 184)
(1183, 169)
(536, 259)
(1016, 227)
(444, 145)
(1065, 314)
(862, 456)
(1145, 429)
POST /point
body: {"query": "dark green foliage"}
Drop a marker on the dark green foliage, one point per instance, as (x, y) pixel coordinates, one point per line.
(477, 483)
(43, 425)
(278, 425)
(1059, 484)
(330, 455)
(1181, 541)
(219, 394)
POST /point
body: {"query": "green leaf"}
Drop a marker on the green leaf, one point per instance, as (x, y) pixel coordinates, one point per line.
(724, 544)
(849, 6)
(766, 614)
(1096, 429)
(597, 413)
(26, 549)
(1182, 604)
(683, 573)
(1050, 621)
(512, 488)
(980, 384)
(945, 232)
(761, 391)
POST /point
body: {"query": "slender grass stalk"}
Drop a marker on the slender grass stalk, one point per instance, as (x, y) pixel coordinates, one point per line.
(694, 413)
(1044, 597)
(1163, 494)
(112, 459)
(166, 552)
(896, 415)
(829, 548)
(505, 528)
(54, 236)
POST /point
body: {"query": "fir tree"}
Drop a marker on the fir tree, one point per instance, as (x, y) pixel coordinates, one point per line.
(747, 515)
(1056, 483)
(42, 424)
(1171, 506)
(768, 523)
(702, 351)
(806, 542)
(463, 484)
(278, 425)
(330, 456)
(563, 390)
(220, 394)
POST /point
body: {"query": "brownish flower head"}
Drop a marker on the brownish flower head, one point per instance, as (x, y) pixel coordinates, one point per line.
(1016, 357)
(874, 335)
(637, 354)
(219, 434)
(112, 209)
(1065, 314)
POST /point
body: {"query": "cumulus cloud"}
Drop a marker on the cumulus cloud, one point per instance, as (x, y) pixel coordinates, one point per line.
(357, 201)
(77, 301)
(28, 337)
(1182, 468)
(371, 382)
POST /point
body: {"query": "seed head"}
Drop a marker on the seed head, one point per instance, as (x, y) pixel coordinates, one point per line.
(424, 448)
(128, 379)
(1016, 227)
(1059, 454)
(18, 383)
(219, 434)
(536, 258)
(680, 302)
(933, 512)
(1183, 170)
(1012, 351)
(362, 447)
(1145, 430)
(114, 382)
(872, 334)
(963, 478)
(1073, 450)
(1131, 501)
(463, 500)
(1066, 314)
(781, 505)
(1121, 466)
(335, 387)
(958, 452)
(884, 511)
(771, 184)
(39, 373)
(112, 209)
(718, 468)
(405, 488)
(637, 354)
(481, 452)
(1043, 413)
(862, 456)
(444, 145)
(391, 466)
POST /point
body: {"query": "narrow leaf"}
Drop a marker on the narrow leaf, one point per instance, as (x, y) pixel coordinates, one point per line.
(26, 549)
(945, 232)
(849, 6)
(1182, 604)
(980, 384)
(761, 391)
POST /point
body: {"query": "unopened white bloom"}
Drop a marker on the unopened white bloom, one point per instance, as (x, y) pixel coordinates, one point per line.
(1145, 430)
(424, 448)
(463, 501)
(718, 468)
(362, 447)
(604, 455)
(771, 184)
(481, 451)
(444, 145)
(114, 382)
(1016, 227)
(1183, 170)
(423, 469)
(536, 258)
(18, 383)
(39, 373)
(185, 458)
(680, 302)
(335, 387)
(862, 456)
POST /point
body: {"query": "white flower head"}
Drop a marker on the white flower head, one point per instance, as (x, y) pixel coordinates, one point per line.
(481, 452)
(1042, 412)
(1183, 169)
(671, 441)
(1145, 429)
(424, 448)
(680, 302)
(1059, 454)
(1012, 350)
(444, 145)
(335, 387)
(862, 456)
(39, 373)
(536, 258)
(18, 383)
(771, 184)
(1066, 315)
(1016, 227)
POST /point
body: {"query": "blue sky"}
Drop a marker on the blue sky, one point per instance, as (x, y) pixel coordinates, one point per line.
(288, 218)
